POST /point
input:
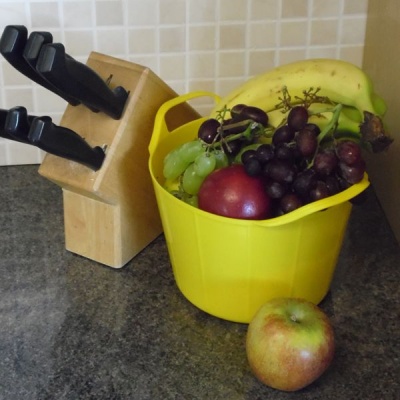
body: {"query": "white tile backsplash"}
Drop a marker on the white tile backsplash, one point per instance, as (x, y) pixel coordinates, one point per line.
(265, 10)
(323, 8)
(110, 13)
(172, 12)
(295, 9)
(78, 14)
(45, 14)
(192, 44)
(323, 32)
(232, 10)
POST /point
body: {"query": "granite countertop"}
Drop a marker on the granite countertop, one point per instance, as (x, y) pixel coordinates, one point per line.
(73, 329)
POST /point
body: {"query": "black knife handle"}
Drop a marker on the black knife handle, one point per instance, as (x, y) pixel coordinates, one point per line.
(12, 128)
(3, 117)
(32, 51)
(33, 46)
(64, 142)
(17, 124)
(12, 45)
(80, 81)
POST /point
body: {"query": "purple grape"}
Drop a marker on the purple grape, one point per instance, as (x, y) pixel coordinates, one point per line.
(275, 190)
(343, 184)
(313, 127)
(306, 142)
(352, 173)
(283, 134)
(255, 114)
(232, 148)
(265, 153)
(304, 182)
(290, 202)
(325, 162)
(333, 184)
(320, 191)
(252, 166)
(208, 130)
(247, 154)
(297, 118)
(237, 109)
(349, 152)
(284, 152)
(280, 171)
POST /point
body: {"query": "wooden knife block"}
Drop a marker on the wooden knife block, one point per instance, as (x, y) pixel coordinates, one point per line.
(111, 214)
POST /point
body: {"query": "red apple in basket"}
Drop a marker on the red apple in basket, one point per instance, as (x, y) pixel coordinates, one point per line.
(231, 192)
(289, 343)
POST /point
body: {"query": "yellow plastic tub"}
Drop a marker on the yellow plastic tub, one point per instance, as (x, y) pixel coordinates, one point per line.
(230, 267)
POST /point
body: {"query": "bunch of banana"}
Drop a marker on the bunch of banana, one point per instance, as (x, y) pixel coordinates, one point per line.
(320, 114)
(339, 81)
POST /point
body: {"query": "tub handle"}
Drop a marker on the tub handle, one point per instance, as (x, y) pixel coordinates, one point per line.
(318, 205)
(160, 126)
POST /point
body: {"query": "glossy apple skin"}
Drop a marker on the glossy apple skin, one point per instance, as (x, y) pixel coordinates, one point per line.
(289, 343)
(230, 192)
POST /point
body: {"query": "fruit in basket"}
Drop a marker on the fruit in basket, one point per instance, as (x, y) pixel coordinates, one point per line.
(176, 161)
(304, 141)
(338, 80)
(289, 343)
(335, 81)
(232, 193)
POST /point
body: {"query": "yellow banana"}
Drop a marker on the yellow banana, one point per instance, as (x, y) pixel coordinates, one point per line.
(321, 113)
(379, 105)
(340, 81)
(349, 119)
(277, 117)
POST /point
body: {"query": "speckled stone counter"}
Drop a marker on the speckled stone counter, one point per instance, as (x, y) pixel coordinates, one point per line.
(73, 329)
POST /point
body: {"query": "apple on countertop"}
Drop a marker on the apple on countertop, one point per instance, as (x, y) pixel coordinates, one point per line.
(289, 343)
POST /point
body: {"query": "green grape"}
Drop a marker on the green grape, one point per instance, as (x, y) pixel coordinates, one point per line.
(191, 182)
(221, 159)
(204, 164)
(190, 150)
(192, 200)
(174, 165)
(172, 153)
(177, 160)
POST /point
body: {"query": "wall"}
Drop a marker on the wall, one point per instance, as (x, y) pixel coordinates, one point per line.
(382, 63)
(192, 44)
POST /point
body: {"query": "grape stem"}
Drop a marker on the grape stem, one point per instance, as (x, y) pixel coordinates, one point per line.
(332, 124)
(252, 129)
(329, 129)
(309, 96)
(236, 124)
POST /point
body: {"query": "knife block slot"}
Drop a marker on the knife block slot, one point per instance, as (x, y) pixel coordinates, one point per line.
(110, 215)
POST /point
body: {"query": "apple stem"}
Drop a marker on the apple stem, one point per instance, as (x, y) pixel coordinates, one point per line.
(293, 318)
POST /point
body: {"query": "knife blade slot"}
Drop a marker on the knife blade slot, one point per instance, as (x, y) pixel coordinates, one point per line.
(109, 79)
